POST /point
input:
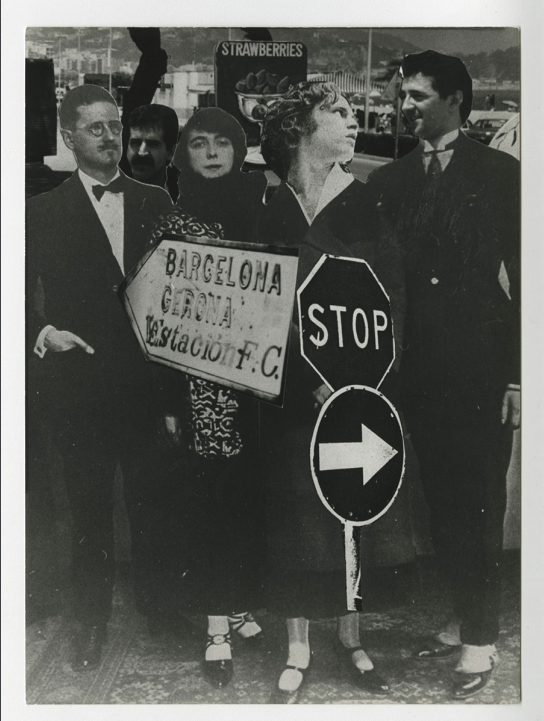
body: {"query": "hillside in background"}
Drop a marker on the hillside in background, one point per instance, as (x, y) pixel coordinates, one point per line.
(329, 49)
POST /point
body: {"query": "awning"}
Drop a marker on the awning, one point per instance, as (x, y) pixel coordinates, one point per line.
(347, 82)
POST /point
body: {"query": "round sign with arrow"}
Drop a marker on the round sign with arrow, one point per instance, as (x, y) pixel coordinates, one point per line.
(357, 460)
(357, 454)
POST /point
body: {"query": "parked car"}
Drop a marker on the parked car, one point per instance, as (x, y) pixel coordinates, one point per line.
(507, 138)
(484, 128)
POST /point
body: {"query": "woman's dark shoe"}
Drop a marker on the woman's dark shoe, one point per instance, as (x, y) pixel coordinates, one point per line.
(246, 627)
(433, 650)
(218, 672)
(370, 680)
(280, 695)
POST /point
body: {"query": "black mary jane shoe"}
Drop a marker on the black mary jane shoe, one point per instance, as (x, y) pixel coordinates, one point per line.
(279, 695)
(433, 650)
(370, 681)
(467, 684)
(239, 622)
(218, 673)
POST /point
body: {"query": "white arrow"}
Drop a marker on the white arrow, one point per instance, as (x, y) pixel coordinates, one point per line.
(371, 454)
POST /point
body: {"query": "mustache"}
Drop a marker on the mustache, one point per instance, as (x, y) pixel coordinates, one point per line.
(143, 160)
(109, 146)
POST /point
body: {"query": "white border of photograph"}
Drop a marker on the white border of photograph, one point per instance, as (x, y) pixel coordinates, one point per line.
(528, 14)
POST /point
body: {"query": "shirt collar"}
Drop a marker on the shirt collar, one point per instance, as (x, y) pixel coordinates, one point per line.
(88, 182)
(441, 143)
(337, 181)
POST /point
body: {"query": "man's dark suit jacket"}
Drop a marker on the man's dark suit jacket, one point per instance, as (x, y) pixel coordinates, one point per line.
(68, 249)
(462, 332)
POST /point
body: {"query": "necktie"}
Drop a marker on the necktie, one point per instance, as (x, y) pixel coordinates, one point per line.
(435, 169)
(116, 186)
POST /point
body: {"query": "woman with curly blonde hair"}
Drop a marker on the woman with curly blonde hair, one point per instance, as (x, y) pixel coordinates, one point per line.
(308, 139)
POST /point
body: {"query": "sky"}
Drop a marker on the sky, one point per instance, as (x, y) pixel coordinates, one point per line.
(465, 40)
(460, 40)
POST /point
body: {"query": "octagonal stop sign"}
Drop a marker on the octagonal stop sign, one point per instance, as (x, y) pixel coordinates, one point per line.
(346, 329)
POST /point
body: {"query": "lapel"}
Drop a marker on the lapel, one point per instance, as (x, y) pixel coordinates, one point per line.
(321, 234)
(459, 157)
(318, 238)
(461, 191)
(141, 211)
(414, 168)
(132, 222)
(87, 230)
(293, 221)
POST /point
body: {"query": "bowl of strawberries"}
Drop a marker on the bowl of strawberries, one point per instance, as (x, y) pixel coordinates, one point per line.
(257, 91)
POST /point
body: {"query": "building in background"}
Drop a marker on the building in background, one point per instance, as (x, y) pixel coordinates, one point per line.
(186, 88)
(71, 64)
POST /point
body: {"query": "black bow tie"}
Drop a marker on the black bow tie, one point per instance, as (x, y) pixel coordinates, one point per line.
(116, 186)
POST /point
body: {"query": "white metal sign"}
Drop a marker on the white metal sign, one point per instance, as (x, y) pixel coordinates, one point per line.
(219, 310)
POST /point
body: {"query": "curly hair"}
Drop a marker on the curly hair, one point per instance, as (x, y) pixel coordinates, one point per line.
(290, 118)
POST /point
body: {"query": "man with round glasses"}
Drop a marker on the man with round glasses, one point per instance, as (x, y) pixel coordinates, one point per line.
(99, 128)
(82, 238)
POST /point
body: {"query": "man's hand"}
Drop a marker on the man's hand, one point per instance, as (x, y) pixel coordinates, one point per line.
(321, 394)
(59, 341)
(511, 406)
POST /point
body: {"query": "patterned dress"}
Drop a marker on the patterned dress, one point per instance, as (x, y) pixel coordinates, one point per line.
(214, 409)
(208, 540)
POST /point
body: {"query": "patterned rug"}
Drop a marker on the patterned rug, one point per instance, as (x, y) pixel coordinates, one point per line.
(139, 669)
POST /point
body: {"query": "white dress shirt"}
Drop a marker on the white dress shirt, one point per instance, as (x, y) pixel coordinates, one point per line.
(111, 213)
(439, 146)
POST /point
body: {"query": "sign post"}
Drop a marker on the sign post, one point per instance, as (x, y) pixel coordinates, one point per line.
(357, 449)
(357, 460)
(219, 310)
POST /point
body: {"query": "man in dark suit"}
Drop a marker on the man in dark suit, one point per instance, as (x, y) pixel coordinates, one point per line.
(82, 238)
(455, 206)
